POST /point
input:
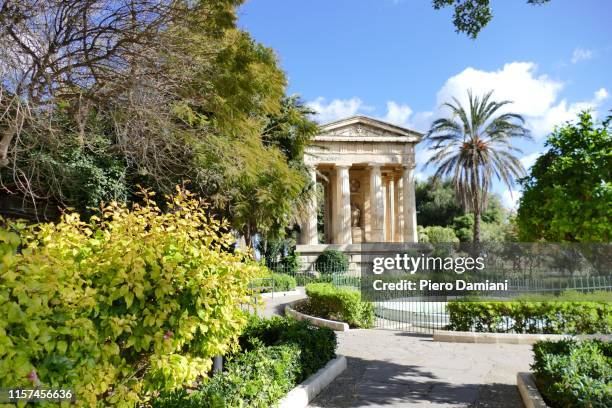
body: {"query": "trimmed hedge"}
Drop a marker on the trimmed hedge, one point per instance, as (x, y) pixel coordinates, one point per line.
(317, 344)
(283, 282)
(258, 378)
(332, 261)
(531, 317)
(573, 373)
(342, 304)
(278, 353)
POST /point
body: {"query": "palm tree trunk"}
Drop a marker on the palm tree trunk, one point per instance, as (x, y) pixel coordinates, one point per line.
(476, 239)
(476, 201)
(248, 237)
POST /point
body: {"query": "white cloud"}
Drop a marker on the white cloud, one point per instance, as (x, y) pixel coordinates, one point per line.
(516, 81)
(564, 112)
(581, 54)
(601, 95)
(510, 198)
(533, 96)
(530, 159)
(335, 109)
(403, 115)
(398, 114)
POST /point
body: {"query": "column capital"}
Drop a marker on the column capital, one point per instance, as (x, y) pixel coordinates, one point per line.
(409, 166)
(342, 165)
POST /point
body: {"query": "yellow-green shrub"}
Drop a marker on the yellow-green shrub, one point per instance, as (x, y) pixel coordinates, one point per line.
(134, 301)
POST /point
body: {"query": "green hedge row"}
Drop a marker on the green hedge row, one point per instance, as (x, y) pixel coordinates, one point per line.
(277, 354)
(337, 303)
(258, 378)
(531, 317)
(574, 374)
(317, 344)
(283, 282)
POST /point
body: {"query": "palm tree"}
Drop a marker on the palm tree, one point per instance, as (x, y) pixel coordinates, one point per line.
(474, 145)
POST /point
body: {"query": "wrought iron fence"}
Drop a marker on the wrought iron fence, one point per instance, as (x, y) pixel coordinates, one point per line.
(425, 311)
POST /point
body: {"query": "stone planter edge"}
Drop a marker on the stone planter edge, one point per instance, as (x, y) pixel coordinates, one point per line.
(304, 393)
(529, 391)
(316, 321)
(506, 338)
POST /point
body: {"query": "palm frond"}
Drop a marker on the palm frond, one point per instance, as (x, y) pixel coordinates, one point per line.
(472, 146)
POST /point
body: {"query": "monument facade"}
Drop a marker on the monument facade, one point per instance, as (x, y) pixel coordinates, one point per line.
(365, 169)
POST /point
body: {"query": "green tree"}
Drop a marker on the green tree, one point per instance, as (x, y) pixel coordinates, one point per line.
(471, 16)
(568, 193)
(437, 203)
(436, 234)
(474, 145)
(495, 225)
(196, 102)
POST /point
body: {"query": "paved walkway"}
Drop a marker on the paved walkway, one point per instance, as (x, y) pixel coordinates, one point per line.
(400, 369)
(276, 306)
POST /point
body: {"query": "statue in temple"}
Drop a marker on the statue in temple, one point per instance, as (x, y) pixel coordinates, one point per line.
(355, 215)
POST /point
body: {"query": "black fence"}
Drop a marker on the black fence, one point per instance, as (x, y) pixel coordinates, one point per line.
(425, 311)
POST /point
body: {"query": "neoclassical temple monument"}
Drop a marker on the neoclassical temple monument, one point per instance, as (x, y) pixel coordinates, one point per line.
(365, 168)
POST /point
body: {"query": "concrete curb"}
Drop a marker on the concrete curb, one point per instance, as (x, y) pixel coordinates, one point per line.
(529, 392)
(274, 295)
(507, 338)
(303, 394)
(317, 321)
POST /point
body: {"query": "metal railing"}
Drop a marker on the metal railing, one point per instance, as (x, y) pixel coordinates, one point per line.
(425, 311)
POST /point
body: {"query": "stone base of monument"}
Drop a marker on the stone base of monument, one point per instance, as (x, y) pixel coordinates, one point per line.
(358, 254)
(357, 235)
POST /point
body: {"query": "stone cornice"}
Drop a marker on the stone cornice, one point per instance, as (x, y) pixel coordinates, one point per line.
(372, 139)
(358, 127)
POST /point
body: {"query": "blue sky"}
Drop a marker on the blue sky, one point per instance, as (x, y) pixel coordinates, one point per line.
(398, 60)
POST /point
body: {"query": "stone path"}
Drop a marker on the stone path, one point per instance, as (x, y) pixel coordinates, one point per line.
(399, 369)
(276, 306)
(389, 368)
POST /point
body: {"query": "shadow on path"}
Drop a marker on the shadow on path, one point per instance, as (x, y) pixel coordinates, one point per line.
(374, 383)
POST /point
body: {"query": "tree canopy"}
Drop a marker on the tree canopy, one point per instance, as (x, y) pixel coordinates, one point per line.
(436, 202)
(440, 213)
(471, 16)
(99, 97)
(568, 194)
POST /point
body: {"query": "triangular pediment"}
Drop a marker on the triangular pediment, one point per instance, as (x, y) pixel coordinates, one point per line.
(363, 126)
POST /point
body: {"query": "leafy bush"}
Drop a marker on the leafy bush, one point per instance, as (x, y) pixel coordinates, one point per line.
(332, 261)
(258, 378)
(531, 317)
(573, 373)
(342, 304)
(436, 234)
(283, 282)
(278, 353)
(134, 301)
(290, 263)
(317, 344)
(280, 282)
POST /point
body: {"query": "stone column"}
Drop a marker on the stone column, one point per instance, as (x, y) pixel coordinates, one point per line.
(410, 221)
(385, 209)
(343, 205)
(400, 208)
(391, 209)
(376, 204)
(310, 227)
